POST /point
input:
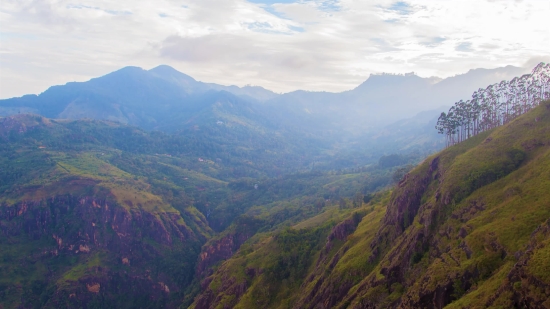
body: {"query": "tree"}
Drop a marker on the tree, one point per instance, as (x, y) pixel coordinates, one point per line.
(495, 105)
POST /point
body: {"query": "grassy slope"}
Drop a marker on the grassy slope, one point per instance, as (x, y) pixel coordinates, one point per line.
(477, 217)
(493, 222)
(131, 170)
(269, 271)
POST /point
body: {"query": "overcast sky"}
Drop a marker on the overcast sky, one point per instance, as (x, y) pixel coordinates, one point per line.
(281, 45)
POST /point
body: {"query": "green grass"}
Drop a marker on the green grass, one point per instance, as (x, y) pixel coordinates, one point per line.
(87, 267)
(479, 209)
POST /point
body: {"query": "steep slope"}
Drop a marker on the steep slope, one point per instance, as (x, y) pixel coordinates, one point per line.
(80, 229)
(268, 273)
(100, 214)
(467, 228)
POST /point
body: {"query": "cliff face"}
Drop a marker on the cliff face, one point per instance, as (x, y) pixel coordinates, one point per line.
(460, 220)
(467, 228)
(96, 250)
(97, 222)
(85, 225)
(225, 245)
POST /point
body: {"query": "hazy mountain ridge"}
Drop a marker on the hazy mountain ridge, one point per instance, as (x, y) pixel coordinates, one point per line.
(383, 99)
(358, 125)
(226, 178)
(149, 98)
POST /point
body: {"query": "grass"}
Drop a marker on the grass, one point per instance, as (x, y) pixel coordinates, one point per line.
(80, 270)
(481, 207)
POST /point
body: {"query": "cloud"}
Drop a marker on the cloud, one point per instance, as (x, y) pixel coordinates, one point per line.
(282, 44)
(533, 61)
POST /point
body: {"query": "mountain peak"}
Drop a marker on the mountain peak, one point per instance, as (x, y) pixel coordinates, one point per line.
(391, 80)
(168, 72)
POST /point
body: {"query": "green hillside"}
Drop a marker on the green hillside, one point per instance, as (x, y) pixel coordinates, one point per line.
(467, 228)
(96, 214)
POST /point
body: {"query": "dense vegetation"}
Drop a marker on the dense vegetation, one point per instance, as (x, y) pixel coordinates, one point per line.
(467, 228)
(93, 210)
(232, 210)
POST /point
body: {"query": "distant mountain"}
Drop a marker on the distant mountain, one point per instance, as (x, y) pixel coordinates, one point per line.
(382, 99)
(462, 86)
(167, 100)
(150, 99)
(190, 85)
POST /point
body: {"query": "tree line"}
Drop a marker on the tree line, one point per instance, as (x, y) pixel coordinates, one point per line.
(495, 105)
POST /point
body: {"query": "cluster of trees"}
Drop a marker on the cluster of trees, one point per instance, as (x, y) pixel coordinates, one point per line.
(495, 105)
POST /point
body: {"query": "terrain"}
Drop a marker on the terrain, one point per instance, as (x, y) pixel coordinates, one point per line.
(467, 228)
(102, 215)
(150, 189)
(166, 100)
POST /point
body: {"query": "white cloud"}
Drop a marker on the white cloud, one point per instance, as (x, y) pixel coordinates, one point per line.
(313, 45)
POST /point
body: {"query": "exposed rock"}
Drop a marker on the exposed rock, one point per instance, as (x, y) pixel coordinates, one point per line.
(164, 287)
(527, 290)
(224, 247)
(67, 221)
(94, 287)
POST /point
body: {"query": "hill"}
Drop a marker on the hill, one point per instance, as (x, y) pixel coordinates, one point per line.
(467, 228)
(166, 100)
(161, 99)
(97, 214)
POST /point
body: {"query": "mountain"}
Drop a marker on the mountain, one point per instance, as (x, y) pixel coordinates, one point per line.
(149, 99)
(210, 199)
(467, 228)
(223, 117)
(379, 101)
(356, 126)
(80, 217)
(190, 85)
(98, 214)
(454, 88)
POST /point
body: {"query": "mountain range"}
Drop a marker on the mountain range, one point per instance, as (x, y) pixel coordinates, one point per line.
(163, 98)
(385, 114)
(149, 189)
(467, 228)
(97, 214)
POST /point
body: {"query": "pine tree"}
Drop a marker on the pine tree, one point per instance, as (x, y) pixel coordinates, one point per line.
(495, 105)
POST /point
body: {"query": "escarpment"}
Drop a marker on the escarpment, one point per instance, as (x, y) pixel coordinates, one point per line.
(224, 246)
(96, 249)
(90, 222)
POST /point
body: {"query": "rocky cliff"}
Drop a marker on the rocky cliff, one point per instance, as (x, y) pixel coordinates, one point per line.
(89, 249)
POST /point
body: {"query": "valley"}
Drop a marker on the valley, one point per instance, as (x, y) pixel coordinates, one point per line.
(194, 195)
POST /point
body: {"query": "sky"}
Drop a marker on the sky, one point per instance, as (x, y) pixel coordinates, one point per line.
(316, 45)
